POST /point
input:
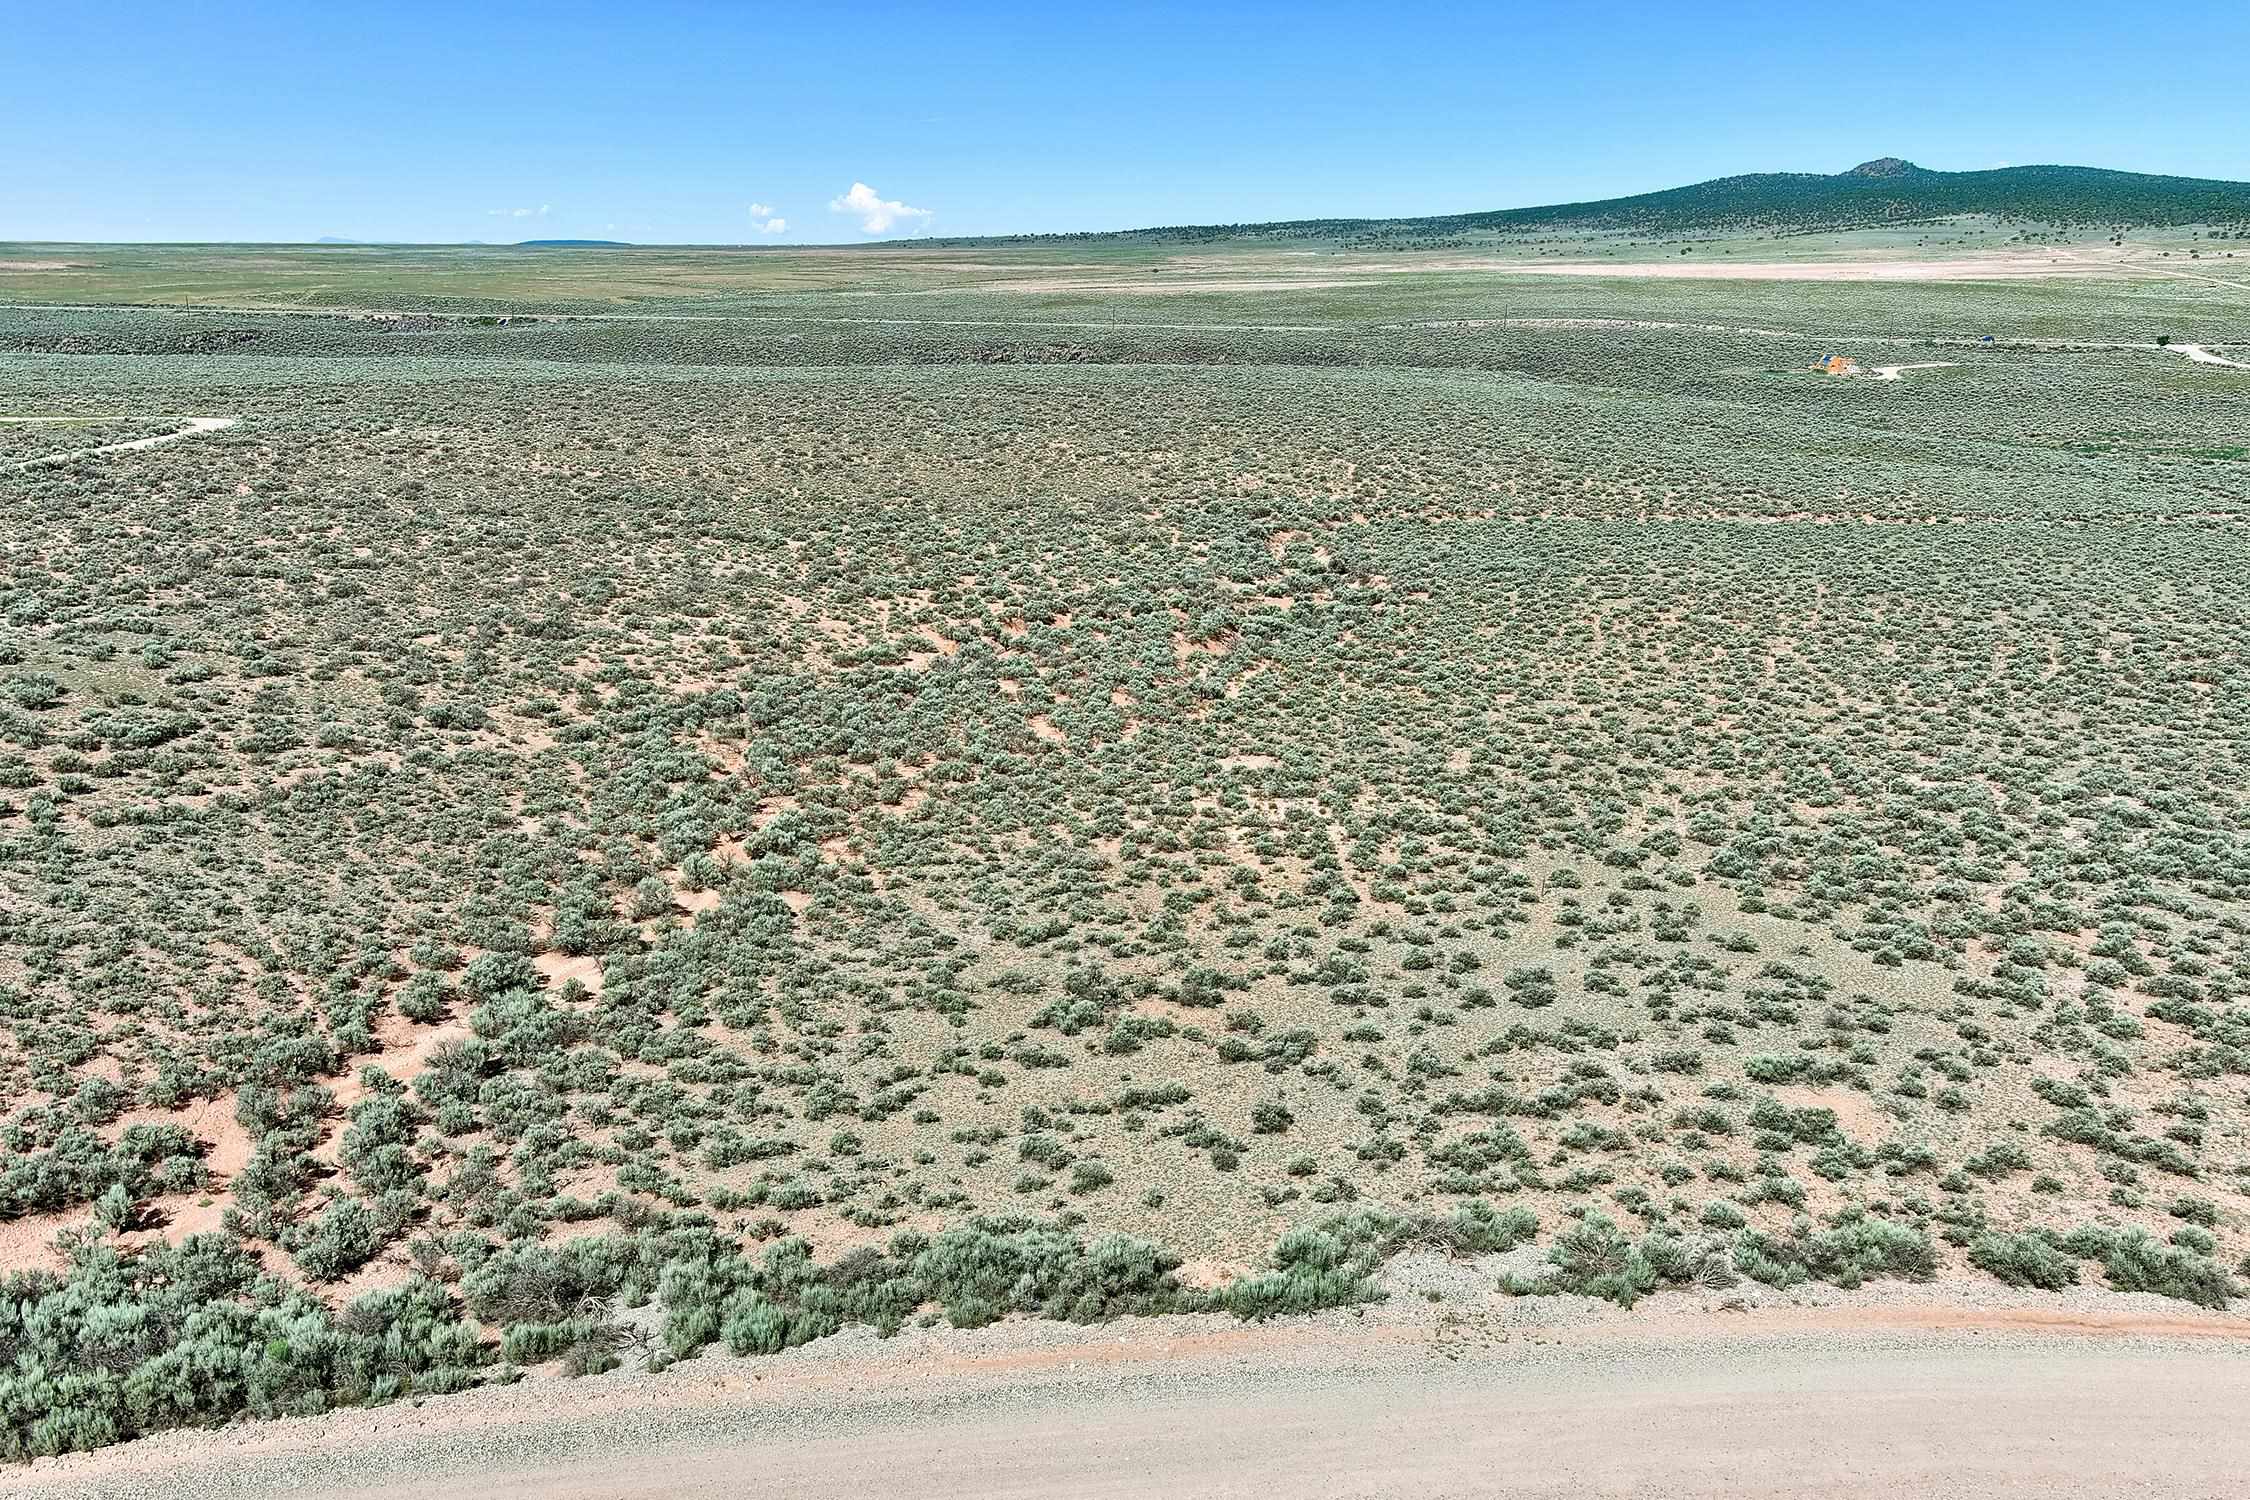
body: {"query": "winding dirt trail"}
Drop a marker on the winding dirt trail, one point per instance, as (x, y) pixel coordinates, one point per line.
(195, 427)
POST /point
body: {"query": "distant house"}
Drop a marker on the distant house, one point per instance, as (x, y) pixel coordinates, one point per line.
(1836, 364)
(1986, 339)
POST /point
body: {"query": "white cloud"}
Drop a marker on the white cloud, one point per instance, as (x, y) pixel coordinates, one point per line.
(520, 213)
(761, 210)
(772, 226)
(876, 214)
(765, 220)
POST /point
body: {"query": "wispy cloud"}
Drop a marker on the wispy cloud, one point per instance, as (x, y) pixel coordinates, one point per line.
(540, 212)
(876, 214)
(765, 220)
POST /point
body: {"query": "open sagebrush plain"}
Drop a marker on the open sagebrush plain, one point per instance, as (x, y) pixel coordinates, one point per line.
(559, 809)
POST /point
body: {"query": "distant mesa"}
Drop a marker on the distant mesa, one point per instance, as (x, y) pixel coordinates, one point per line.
(573, 244)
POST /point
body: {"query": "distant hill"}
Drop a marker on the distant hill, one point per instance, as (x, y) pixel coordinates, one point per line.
(1887, 190)
(337, 239)
(574, 244)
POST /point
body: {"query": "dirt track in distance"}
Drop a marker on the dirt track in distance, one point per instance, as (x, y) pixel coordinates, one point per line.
(194, 427)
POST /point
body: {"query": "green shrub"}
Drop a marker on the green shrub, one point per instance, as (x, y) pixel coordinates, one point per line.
(1594, 1258)
(2195, 1239)
(347, 1234)
(77, 1166)
(1313, 1268)
(1478, 1228)
(1777, 1067)
(2025, 1260)
(120, 1345)
(1001, 1265)
(1331, 1263)
(1854, 1248)
(2133, 1262)
(536, 1343)
(1720, 1214)
(1270, 1117)
(755, 1326)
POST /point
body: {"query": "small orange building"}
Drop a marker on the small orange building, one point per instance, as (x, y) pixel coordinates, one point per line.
(1837, 364)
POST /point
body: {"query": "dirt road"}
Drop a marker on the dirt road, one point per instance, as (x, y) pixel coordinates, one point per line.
(2203, 356)
(193, 427)
(1885, 1421)
(1414, 1401)
(1893, 372)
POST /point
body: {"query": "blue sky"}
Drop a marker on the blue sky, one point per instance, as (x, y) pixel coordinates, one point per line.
(669, 121)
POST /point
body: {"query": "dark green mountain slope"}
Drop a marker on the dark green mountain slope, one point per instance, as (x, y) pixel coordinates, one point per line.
(1884, 191)
(1889, 191)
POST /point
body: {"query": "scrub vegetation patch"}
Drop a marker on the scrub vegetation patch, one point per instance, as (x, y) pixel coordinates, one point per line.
(551, 845)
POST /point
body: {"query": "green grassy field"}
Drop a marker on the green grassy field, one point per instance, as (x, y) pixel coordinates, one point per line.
(822, 787)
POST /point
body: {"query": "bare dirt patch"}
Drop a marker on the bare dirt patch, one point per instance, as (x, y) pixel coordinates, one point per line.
(560, 968)
(1856, 1113)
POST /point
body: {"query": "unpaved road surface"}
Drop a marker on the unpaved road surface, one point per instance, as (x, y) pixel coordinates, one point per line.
(1874, 1420)
(194, 426)
(1893, 372)
(2086, 1396)
(2203, 356)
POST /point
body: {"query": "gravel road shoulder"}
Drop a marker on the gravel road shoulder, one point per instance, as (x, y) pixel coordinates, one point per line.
(1446, 1389)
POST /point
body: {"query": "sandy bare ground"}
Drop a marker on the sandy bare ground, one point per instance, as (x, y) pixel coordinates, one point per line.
(194, 427)
(1911, 1392)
